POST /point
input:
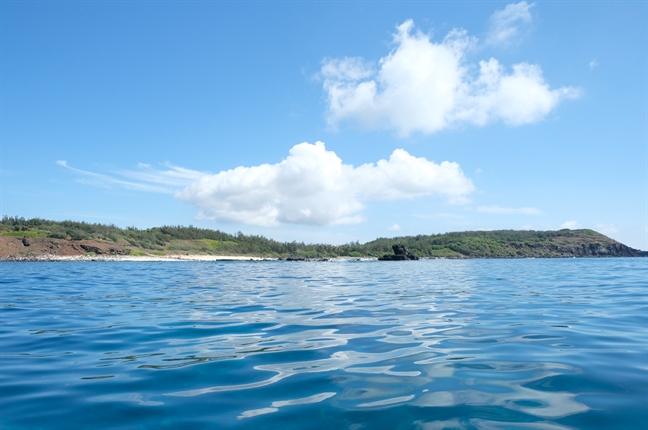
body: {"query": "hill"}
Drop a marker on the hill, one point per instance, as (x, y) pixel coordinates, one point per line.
(509, 244)
(22, 238)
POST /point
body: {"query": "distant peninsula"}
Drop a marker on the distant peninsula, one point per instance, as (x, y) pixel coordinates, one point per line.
(38, 239)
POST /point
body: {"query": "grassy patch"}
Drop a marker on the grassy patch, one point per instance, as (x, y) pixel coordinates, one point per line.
(213, 244)
(30, 233)
(445, 253)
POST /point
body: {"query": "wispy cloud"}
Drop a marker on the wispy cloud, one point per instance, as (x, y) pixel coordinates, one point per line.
(173, 175)
(145, 178)
(506, 25)
(593, 64)
(423, 86)
(509, 211)
(312, 186)
(395, 227)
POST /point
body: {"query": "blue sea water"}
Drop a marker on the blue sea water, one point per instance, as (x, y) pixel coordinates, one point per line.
(434, 344)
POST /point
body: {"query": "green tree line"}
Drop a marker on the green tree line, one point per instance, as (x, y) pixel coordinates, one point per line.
(499, 243)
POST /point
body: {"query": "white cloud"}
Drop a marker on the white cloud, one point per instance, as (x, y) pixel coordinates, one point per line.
(395, 227)
(505, 26)
(173, 176)
(312, 186)
(570, 225)
(593, 64)
(145, 179)
(423, 86)
(504, 210)
(606, 228)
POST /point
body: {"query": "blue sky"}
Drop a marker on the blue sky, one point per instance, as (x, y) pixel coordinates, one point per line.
(431, 116)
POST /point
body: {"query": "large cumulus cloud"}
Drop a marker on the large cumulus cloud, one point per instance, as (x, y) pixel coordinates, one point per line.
(423, 86)
(313, 186)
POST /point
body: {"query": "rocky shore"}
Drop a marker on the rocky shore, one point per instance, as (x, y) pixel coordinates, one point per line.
(59, 258)
(49, 249)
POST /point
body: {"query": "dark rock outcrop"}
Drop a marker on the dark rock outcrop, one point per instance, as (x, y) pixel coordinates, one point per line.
(90, 248)
(99, 251)
(399, 249)
(303, 259)
(400, 253)
(26, 242)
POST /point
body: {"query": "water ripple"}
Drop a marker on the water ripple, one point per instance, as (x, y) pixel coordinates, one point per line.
(488, 344)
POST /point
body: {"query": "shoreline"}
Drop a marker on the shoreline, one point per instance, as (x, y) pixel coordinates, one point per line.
(109, 243)
(47, 258)
(143, 258)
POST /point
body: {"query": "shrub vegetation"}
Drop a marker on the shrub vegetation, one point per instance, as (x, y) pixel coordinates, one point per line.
(194, 240)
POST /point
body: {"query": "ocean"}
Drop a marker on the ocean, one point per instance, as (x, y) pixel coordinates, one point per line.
(431, 344)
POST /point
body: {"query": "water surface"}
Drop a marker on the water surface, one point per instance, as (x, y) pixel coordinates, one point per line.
(434, 344)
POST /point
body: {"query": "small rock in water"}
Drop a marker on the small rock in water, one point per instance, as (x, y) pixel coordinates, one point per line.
(400, 253)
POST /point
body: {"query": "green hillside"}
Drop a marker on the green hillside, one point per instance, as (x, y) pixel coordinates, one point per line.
(194, 240)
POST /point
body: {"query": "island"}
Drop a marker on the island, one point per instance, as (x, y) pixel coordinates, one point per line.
(38, 239)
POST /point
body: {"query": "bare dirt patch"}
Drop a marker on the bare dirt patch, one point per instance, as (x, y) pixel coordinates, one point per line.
(11, 246)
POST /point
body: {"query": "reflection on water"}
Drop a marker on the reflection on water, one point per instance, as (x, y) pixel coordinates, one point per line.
(488, 344)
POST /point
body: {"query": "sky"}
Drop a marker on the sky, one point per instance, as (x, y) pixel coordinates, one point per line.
(327, 122)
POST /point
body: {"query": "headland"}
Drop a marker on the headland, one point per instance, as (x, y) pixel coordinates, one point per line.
(44, 240)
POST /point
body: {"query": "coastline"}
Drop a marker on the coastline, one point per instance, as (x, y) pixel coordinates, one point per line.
(44, 258)
(144, 258)
(42, 240)
(47, 258)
